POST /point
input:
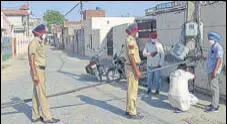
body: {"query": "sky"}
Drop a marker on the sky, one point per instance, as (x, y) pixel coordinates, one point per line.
(112, 8)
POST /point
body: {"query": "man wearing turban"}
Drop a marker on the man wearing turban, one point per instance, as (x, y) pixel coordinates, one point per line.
(132, 71)
(37, 62)
(214, 66)
(154, 52)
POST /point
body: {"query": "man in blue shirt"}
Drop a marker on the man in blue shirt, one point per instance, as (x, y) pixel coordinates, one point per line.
(214, 66)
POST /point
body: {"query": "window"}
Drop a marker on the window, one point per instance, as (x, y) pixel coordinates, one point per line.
(149, 24)
(144, 34)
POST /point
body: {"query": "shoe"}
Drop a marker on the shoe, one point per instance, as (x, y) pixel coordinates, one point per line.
(52, 120)
(212, 109)
(36, 120)
(137, 116)
(208, 106)
(177, 110)
(157, 92)
(149, 91)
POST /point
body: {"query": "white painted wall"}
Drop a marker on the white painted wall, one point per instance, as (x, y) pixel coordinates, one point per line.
(15, 20)
(87, 33)
(119, 37)
(79, 45)
(104, 25)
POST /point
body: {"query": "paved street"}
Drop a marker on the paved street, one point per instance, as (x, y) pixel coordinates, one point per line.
(90, 102)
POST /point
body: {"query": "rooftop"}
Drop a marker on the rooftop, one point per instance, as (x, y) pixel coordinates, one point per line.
(24, 7)
(15, 12)
(72, 22)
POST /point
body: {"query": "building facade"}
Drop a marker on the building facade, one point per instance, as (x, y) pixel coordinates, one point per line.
(19, 19)
(98, 31)
(69, 36)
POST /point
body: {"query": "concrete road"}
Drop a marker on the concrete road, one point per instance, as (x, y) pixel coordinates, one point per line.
(89, 101)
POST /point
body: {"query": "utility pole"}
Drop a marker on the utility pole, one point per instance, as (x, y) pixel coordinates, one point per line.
(81, 11)
(198, 21)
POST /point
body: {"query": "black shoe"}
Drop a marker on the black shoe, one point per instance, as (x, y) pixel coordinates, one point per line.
(52, 120)
(36, 120)
(157, 92)
(208, 106)
(212, 109)
(149, 91)
(137, 116)
(177, 110)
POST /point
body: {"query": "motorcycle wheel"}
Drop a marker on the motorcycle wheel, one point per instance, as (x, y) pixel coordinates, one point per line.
(113, 75)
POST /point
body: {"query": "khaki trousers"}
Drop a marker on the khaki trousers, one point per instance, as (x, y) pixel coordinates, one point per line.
(131, 92)
(39, 98)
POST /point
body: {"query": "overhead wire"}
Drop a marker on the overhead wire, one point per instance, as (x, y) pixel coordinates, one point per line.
(72, 9)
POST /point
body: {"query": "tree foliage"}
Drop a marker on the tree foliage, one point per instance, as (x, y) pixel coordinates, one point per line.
(53, 17)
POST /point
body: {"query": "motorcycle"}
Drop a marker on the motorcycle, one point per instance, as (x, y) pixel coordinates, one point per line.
(117, 71)
(95, 67)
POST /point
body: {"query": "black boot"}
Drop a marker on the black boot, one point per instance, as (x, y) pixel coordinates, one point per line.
(157, 92)
(137, 116)
(149, 91)
(52, 120)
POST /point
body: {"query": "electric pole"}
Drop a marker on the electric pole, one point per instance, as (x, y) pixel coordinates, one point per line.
(81, 12)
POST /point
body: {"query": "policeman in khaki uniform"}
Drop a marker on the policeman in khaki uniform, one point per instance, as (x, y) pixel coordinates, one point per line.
(132, 71)
(37, 62)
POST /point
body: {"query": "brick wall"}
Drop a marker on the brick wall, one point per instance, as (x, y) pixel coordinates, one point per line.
(93, 13)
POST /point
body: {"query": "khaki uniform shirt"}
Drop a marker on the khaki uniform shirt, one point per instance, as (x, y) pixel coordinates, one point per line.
(36, 47)
(132, 49)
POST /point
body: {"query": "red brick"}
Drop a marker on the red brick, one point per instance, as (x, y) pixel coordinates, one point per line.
(15, 12)
(94, 13)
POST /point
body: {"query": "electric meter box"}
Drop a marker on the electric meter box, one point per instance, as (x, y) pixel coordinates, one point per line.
(180, 51)
(191, 29)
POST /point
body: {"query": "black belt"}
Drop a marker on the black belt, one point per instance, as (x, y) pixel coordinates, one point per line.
(42, 67)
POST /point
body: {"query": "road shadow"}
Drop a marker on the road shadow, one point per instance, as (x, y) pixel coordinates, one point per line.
(157, 103)
(81, 77)
(81, 104)
(20, 108)
(102, 104)
(142, 93)
(122, 84)
(143, 89)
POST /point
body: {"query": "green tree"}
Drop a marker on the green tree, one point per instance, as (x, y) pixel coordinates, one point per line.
(53, 17)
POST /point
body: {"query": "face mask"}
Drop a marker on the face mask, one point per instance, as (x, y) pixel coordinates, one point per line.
(153, 41)
(137, 35)
(211, 42)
